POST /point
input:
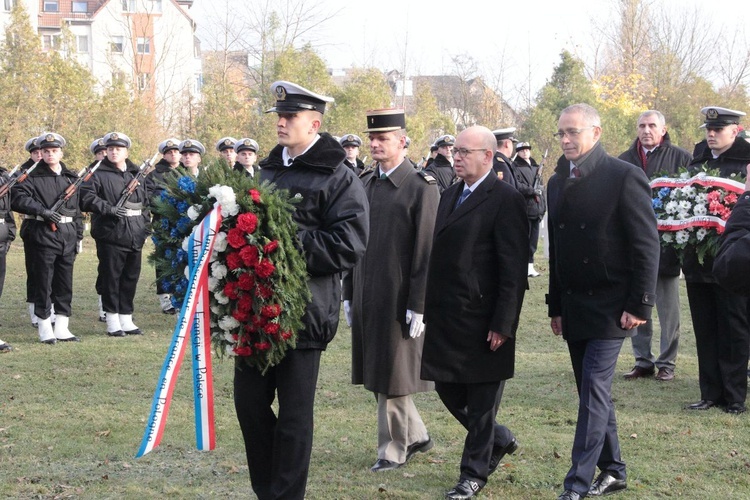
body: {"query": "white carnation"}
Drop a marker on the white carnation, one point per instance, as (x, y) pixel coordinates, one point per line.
(217, 310)
(213, 283)
(701, 198)
(221, 298)
(682, 237)
(671, 207)
(186, 243)
(701, 233)
(667, 237)
(684, 175)
(228, 323)
(685, 205)
(229, 338)
(194, 211)
(700, 209)
(220, 242)
(688, 191)
(683, 215)
(218, 270)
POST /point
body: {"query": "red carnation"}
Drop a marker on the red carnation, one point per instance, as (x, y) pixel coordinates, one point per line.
(241, 316)
(264, 292)
(247, 222)
(255, 195)
(236, 238)
(286, 335)
(245, 350)
(230, 289)
(262, 346)
(271, 246)
(250, 255)
(271, 328)
(271, 311)
(730, 198)
(265, 269)
(258, 321)
(246, 281)
(234, 261)
(245, 303)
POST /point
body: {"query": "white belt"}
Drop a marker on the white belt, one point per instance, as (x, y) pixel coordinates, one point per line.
(2, 221)
(63, 219)
(129, 212)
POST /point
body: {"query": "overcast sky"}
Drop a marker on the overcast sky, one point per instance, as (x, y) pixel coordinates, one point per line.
(524, 40)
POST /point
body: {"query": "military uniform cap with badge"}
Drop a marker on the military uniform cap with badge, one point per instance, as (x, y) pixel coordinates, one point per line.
(247, 150)
(350, 140)
(51, 140)
(293, 98)
(246, 144)
(192, 152)
(117, 139)
(32, 145)
(98, 146)
(169, 145)
(225, 147)
(717, 117)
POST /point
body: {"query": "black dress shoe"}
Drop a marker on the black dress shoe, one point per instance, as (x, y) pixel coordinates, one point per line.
(569, 495)
(171, 310)
(466, 488)
(102, 318)
(498, 452)
(639, 372)
(383, 465)
(419, 447)
(606, 484)
(49, 341)
(703, 404)
(118, 333)
(70, 339)
(735, 408)
(137, 331)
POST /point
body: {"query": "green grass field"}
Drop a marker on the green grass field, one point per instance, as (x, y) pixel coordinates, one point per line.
(72, 416)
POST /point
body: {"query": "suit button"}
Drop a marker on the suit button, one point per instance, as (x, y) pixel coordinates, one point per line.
(569, 291)
(583, 225)
(589, 292)
(585, 260)
(562, 225)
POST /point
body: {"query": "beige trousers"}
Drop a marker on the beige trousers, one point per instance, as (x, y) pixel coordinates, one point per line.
(399, 425)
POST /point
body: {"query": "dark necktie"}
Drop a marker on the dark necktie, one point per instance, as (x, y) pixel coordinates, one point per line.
(576, 172)
(463, 197)
(383, 176)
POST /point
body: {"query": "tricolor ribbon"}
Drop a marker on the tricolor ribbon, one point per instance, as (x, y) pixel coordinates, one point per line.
(193, 320)
(707, 221)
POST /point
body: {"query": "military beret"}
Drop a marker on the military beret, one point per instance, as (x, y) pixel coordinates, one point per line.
(97, 145)
(292, 98)
(168, 145)
(117, 139)
(192, 146)
(246, 143)
(350, 140)
(51, 140)
(225, 143)
(32, 144)
(720, 117)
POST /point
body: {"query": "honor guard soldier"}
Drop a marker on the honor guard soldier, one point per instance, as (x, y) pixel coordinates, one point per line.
(99, 150)
(35, 155)
(351, 144)
(247, 153)
(502, 165)
(51, 236)
(225, 147)
(120, 230)
(529, 183)
(170, 160)
(441, 167)
(192, 152)
(332, 219)
(7, 234)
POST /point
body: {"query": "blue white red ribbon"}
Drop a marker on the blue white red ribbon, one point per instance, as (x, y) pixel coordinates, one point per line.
(193, 320)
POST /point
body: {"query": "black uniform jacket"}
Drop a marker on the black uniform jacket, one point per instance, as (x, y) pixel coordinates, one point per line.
(667, 159)
(240, 168)
(731, 163)
(732, 263)
(8, 227)
(334, 221)
(603, 246)
(525, 175)
(475, 283)
(501, 164)
(442, 170)
(38, 193)
(102, 192)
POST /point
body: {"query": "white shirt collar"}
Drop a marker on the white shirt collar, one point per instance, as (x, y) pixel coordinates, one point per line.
(288, 159)
(474, 186)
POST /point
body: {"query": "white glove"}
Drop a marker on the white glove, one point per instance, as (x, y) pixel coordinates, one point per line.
(416, 321)
(348, 312)
(79, 246)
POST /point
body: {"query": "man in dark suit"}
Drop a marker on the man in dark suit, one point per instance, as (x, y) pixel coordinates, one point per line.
(603, 240)
(475, 288)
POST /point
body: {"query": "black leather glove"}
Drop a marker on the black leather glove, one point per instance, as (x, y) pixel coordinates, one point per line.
(51, 216)
(118, 212)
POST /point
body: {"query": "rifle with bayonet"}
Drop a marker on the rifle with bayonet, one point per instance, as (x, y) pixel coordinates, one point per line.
(146, 168)
(538, 185)
(83, 176)
(5, 188)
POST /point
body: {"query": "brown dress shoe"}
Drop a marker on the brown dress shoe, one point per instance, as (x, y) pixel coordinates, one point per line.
(639, 372)
(665, 375)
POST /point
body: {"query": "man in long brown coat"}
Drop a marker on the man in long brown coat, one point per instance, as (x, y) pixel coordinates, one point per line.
(384, 296)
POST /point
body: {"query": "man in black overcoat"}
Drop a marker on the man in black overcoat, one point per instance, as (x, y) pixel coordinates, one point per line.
(603, 240)
(475, 287)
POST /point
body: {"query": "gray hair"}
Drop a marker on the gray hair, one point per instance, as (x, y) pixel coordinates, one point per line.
(589, 113)
(658, 114)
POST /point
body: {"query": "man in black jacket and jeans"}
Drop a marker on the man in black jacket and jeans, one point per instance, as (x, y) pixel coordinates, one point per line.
(333, 219)
(653, 151)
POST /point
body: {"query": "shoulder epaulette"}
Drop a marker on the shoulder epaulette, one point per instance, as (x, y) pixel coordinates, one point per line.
(427, 177)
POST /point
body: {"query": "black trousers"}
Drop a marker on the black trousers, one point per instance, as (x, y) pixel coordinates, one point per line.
(278, 447)
(119, 270)
(475, 407)
(28, 256)
(52, 280)
(722, 339)
(533, 238)
(3, 255)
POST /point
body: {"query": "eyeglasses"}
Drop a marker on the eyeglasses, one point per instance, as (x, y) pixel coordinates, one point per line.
(571, 132)
(464, 151)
